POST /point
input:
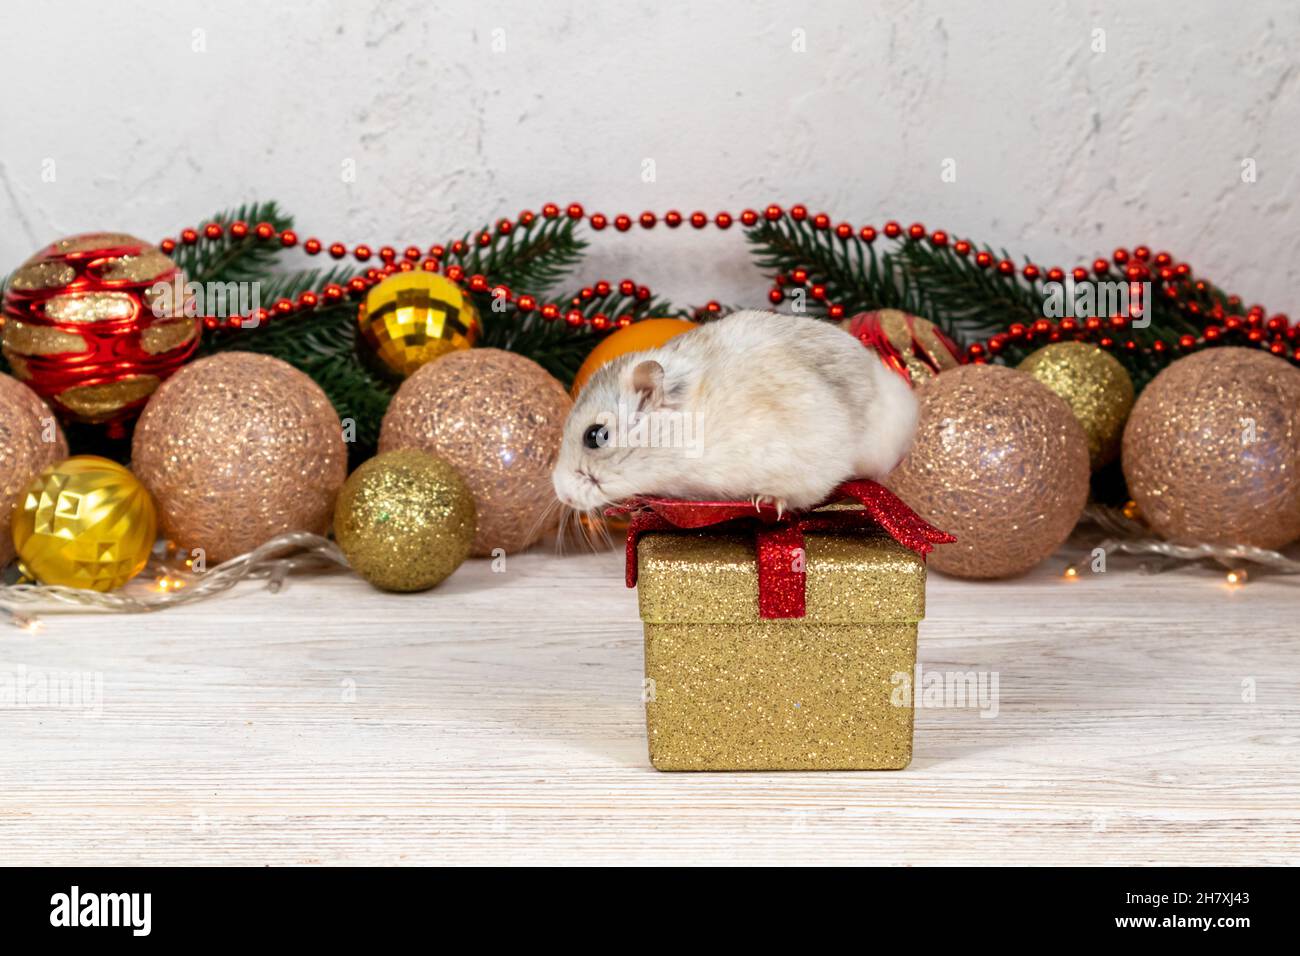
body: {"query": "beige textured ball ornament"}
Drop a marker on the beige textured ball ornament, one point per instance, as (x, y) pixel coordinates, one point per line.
(25, 424)
(498, 418)
(238, 448)
(1212, 449)
(999, 461)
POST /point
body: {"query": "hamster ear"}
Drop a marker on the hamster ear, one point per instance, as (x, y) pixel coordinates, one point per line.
(648, 382)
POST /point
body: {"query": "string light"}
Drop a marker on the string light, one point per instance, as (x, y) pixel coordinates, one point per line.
(1127, 536)
(271, 561)
(24, 622)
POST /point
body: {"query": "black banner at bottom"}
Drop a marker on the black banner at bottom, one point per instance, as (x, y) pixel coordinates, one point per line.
(335, 906)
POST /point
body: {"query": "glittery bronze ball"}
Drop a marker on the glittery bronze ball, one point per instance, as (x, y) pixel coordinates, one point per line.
(238, 448)
(1000, 462)
(498, 418)
(405, 520)
(1095, 386)
(30, 441)
(1212, 449)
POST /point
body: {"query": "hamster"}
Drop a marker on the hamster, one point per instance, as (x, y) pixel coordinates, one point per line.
(771, 408)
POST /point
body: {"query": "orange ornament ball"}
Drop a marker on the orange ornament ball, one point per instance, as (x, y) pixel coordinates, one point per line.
(637, 337)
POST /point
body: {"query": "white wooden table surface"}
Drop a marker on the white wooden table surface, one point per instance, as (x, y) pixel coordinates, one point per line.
(498, 719)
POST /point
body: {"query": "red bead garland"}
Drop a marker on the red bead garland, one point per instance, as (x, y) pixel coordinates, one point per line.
(1276, 332)
(1273, 335)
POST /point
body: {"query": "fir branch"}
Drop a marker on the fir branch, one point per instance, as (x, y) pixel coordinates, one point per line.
(530, 258)
(786, 244)
(288, 285)
(234, 260)
(966, 301)
(327, 331)
(323, 343)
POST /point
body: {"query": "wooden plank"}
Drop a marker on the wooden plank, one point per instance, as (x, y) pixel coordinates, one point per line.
(498, 719)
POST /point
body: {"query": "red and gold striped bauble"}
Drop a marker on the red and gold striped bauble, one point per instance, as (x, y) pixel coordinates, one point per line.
(93, 323)
(912, 346)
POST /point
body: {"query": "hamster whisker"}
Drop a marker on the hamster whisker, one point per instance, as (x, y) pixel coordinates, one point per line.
(541, 520)
(581, 526)
(580, 534)
(600, 525)
(562, 532)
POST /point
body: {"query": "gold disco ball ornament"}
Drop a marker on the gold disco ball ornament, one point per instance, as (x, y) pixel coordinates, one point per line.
(85, 523)
(412, 318)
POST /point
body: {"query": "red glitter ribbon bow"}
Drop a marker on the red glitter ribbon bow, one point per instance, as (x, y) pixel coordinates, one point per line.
(779, 540)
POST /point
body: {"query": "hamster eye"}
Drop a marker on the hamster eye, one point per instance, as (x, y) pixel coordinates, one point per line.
(596, 436)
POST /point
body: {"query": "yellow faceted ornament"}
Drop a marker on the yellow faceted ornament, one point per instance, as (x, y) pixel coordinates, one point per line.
(85, 523)
(412, 318)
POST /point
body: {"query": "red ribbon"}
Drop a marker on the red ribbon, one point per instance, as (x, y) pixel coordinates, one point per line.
(779, 540)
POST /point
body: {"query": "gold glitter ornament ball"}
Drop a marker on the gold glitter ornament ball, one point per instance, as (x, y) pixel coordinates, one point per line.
(1212, 449)
(498, 418)
(412, 318)
(30, 440)
(1095, 386)
(238, 448)
(999, 461)
(405, 520)
(85, 523)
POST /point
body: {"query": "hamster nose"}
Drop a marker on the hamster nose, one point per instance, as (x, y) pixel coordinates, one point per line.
(562, 491)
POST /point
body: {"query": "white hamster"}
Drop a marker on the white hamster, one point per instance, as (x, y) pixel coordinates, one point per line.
(757, 405)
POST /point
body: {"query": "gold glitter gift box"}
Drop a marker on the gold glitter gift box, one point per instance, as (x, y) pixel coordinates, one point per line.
(727, 689)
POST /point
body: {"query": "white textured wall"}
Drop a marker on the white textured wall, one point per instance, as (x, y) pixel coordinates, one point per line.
(1061, 152)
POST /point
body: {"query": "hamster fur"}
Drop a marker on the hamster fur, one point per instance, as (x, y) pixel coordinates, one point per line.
(776, 408)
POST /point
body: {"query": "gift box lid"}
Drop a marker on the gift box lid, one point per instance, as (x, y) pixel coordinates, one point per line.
(712, 578)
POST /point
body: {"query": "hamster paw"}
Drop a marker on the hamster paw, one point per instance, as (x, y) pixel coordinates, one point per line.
(778, 503)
